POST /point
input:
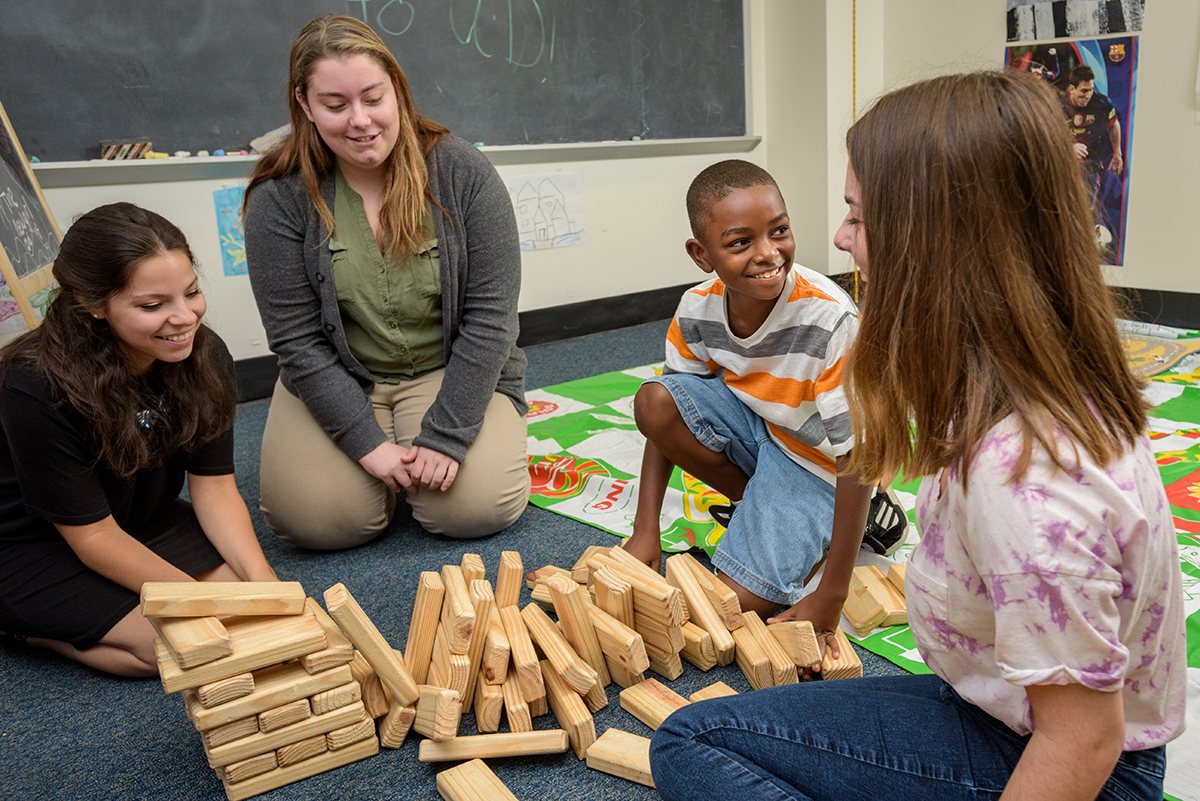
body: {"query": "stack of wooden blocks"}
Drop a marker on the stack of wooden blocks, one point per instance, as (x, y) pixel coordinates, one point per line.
(876, 599)
(265, 678)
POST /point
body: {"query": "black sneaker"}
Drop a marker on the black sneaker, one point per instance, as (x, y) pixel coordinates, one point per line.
(887, 524)
(722, 513)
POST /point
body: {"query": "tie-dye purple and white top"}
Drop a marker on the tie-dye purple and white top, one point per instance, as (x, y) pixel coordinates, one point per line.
(1058, 578)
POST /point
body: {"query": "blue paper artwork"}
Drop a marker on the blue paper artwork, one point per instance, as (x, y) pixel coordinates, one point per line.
(228, 203)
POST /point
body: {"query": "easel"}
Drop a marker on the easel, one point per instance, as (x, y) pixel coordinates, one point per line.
(28, 232)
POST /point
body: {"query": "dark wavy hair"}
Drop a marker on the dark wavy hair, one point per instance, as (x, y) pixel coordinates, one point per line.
(190, 402)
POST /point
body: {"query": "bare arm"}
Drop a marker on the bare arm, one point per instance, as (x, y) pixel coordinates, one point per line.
(223, 517)
(108, 550)
(1078, 737)
(1114, 137)
(646, 542)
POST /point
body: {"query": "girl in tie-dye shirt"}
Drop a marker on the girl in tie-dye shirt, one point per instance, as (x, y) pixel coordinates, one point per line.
(1045, 594)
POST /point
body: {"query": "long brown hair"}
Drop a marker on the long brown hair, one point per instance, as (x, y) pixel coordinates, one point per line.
(984, 295)
(135, 420)
(406, 181)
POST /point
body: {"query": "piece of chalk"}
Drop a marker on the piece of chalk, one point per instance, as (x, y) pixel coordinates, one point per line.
(243, 153)
(182, 154)
(201, 153)
(150, 154)
(34, 160)
(479, 144)
(218, 152)
(637, 139)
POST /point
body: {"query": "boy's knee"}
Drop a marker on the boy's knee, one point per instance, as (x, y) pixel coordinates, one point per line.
(653, 408)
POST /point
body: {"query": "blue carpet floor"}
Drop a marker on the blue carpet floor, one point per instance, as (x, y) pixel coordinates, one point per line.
(67, 732)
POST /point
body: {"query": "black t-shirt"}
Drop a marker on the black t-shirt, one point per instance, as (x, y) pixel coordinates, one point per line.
(1089, 125)
(48, 473)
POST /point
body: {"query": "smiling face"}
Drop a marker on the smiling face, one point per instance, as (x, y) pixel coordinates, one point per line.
(352, 102)
(850, 236)
(156, 316)
(1081, 94)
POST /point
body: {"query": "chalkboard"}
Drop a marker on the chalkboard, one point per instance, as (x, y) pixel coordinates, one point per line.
(208, 74)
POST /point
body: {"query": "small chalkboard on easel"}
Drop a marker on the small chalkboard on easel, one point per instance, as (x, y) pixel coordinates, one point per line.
(29, 236)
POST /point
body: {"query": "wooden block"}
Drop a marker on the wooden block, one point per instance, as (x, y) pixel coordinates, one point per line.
(338, 697)
(783, 669)
(508, 579)
(698, 647)
(579, 572)
(281, 777)
(249, 768)
(285, 715)
(515, 707)
(472, 568)
(458, 612)
(716, 690)
(483, 602)
(338, 648)
(541, 574)
(569, 710)
(665, 664)
(213, 598)
(472, 781)
(438, 713)
(257, 642)
(229, 732)
(846, 666)
(487, 746)
(651, 702)
(631, 562)
(225, 690)
(260, 743)
(273, 686)
(571, 604)
(489, 704)
(193, 641)
(613, 594)
(623, 676)
(619, 642)
(862, 608)
(347, 735)
(559, 653)
(524, 659)
(496, 649)
(427, 611)
(622, 754)
(891, 599)
(659, 635)
(700, 609)
(720, 595)
(752, 659)
(895, 577)
(370, 686)
(655, 600)
(798, 640)
(353, 621)
(298, 752)
(395, 725)
(447, 670)
(540, 595)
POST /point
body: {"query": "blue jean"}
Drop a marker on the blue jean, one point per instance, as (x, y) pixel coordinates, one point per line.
(892, 737)
(782, 526)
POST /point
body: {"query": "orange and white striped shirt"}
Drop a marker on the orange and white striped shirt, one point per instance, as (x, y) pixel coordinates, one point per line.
(789, 371)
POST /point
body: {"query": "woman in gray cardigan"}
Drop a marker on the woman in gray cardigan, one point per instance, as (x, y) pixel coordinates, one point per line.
(383, 255)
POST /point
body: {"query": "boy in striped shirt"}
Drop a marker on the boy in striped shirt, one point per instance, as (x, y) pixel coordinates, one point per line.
(751, 402)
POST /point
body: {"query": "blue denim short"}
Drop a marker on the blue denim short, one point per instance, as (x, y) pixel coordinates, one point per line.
(782, 526)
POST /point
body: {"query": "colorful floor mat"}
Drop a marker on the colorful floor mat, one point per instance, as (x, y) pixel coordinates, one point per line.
(585, 454)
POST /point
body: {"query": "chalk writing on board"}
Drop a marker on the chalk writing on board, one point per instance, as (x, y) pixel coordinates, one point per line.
(26, 232)
(228, 203)
(549, 209)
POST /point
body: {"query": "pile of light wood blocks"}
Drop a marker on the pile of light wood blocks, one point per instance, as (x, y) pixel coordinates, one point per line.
(265, 677)
(876, 599)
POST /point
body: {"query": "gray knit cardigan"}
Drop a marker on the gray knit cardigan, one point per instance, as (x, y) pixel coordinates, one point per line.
(291, 273)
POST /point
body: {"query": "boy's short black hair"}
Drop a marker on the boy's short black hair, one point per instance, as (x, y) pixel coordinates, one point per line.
(1080, 74)
(715, 182)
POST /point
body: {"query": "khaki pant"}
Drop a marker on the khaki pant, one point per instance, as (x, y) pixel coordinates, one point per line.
(315, 496)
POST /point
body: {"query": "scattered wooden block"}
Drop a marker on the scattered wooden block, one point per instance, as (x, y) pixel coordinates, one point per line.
(846, 666)
(298, 752)
(698, 647)
(862, 608)
(569, 710)
(347, 735)
(524, 659)
(438, 713)
(579, 572)
(257, 642)
(662, 636)
(798, 641)
(354, 622)
(613, 594)
(338, 649)
(622, 754)
(458, 612)
(273, 686)
(483, 602)
(395, 725)
(255, 744)
(281, 777)
(619, 642)
(651, 702)
(654, 600)
(623, 676)
(752, 659)
(700, 608)
(715, 690)
(225, 690)
(214, 598)
(494, 664)
(338, 697)
(447, 670)
(193, 641)
(647, 574)
(472, 568)
(665, 664)
(891, 599)
(895, 577)
(783, 669)
(427, 611)
(720, 595)
(370, 686)
(571, 605)
(508, 579)
(515, 707)
(541, 574)
(487, 746)
(249, 768)
(540, 595)
(229, 732)
(489, 704)
(472, 781)
(285, 715)
(559, 653)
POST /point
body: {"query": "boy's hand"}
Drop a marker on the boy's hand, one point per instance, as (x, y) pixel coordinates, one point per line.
(825, 618)
(646, 545)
